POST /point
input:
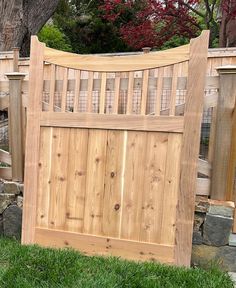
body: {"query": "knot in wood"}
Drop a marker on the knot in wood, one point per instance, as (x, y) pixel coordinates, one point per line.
(117, 207)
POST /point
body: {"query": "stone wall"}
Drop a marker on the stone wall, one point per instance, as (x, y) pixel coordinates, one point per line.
(11, 202)
(212, 237)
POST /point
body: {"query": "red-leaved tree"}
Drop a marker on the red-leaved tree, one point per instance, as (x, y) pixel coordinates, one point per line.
(151, 22)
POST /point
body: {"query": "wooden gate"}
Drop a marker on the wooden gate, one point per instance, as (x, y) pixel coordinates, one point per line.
(105, 173)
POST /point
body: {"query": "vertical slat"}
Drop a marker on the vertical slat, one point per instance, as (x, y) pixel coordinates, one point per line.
(171, 189)
(96, 161)
(77, 91)
(130, 93)
(103, 93)
(117, 93)
(212, 135)
(90, 92)
(44, 177)
(77, 172)
(52, 87)
(144, 92)
(64, 90)
(133, 185)
(58, 178)
(173, 90)
(190, 148)
(152, 206)
(113, 183)
(32, 141)
(159, 90)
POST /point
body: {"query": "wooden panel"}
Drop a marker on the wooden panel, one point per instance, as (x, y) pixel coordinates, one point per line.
(96, 161)
(133, 185)
(91, 245)
(6, 173)
(76, 179)
(171, 188)
(117, 122)
(152, 202)
(58, 178)
(44, 173)
(113, 183)
(117, 63)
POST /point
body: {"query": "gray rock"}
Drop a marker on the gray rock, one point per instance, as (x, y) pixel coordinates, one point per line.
(21, 187)
(216, 230)
(197, 237)
(11, 188)
(221, 210)
(5, 201)
(1, 187)
(19, 201)
(201, 204)
(12, 222)
(225, 256)
(232, 240)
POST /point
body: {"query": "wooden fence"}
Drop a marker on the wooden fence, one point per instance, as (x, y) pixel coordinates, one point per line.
(212, 143)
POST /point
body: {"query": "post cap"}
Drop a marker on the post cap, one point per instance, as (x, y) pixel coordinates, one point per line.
(227, 69)
(15, 75)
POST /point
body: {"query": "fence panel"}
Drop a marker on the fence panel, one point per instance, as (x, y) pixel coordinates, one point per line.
(105, 173)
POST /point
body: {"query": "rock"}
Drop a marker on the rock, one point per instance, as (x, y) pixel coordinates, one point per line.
(198, 221)
(232, 239)
(201, 204)
(222, 208)
(216, 230)
(1, 225)
(5, 201)
(197, 237)
(12, 222)
(19, 201)
(225, 256)
(21, 187)
(1, 187)
(11, 188)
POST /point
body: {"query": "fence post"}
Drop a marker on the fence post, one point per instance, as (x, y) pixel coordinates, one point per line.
(15, 129)
(16, 52)
(223, 137)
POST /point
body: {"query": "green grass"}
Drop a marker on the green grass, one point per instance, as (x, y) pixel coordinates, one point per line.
(32, 266)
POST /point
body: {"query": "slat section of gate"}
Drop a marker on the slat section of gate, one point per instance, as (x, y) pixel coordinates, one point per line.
(107, 172)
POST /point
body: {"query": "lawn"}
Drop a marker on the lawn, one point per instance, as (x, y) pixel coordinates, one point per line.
(32, 266)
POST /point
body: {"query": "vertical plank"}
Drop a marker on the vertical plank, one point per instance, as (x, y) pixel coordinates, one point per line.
(77, 91)
(96, 161)
(212, 135)
(103, 93)
(190, 148)
(153, 194)
(52, 87)
(32, 141)
(117, 93)
(64, 90)
(171, 189)
(113, 183)
(130, 93)
(159, 90)
(173, 90)
(133, 185)
(58, 178)
(90, 92)
(144, 92)
(45, 157)
(77, 172)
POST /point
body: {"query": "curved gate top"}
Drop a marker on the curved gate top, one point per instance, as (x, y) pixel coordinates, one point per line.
(110, 165)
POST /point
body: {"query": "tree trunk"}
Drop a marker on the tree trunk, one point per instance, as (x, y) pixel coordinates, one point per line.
(22, 18)
(228, 25)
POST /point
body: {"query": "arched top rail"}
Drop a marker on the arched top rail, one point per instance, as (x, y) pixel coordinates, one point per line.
(117, 63)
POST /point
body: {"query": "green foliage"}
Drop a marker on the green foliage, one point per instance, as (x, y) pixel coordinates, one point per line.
(87, 31)
(35, 267)
(54, 38)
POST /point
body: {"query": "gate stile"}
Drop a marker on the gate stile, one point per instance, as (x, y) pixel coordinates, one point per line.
(103, 173)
